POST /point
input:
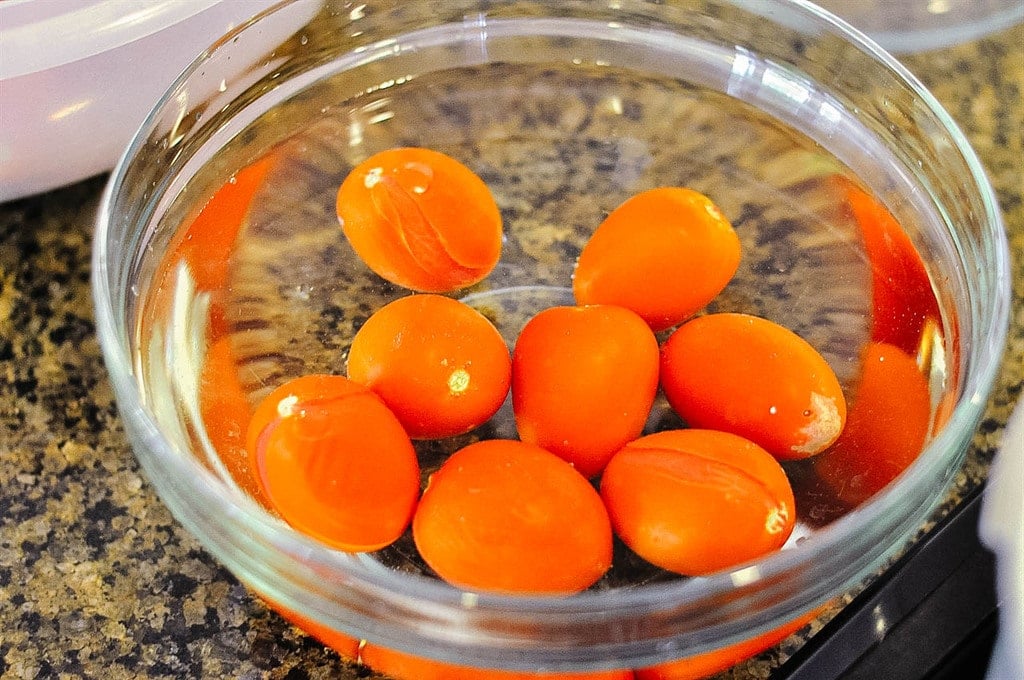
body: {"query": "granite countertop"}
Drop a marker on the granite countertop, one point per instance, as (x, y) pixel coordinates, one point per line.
(96, 577)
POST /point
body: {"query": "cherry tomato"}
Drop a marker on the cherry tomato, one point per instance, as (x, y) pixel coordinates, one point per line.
(716, 661)
(338, 468)
(440, 365)
(697, 501)
(506, 516)
(284, 399)
(402, 666)
(903, 301)
(750, 376)
(664, 253)
(226, 412)
(583, 382)
(420, 219)
(885, 430)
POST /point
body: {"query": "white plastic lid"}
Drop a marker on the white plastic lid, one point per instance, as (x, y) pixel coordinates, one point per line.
(36, 35)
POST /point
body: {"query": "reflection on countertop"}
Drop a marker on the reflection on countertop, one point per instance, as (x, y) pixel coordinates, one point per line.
(98, 580)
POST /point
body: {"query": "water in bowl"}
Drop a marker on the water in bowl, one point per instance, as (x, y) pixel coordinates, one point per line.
(563, 126)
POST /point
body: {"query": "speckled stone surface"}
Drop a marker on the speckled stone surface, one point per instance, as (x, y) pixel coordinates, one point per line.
(98, 580)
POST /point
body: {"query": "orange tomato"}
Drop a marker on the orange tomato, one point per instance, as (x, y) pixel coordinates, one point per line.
(440, 365)
(903, 302)
(710, 663)
(697, 501)
(506, 516)
(226, 412)
(420, 219)
(284, 399)
(338, 468)
(755, 378)
(885, 430)
(583, 382)
(402, 666)
(664, 253)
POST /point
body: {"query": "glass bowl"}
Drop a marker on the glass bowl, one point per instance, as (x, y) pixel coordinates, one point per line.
(775, 110)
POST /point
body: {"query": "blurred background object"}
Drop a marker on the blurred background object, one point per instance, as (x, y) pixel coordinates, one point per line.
(918, 25)
(1002, 530)
(77, 77)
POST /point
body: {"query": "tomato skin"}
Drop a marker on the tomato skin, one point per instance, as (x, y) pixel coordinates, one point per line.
(338, 468)
(665, 253)
(583, 382)
(697, 501)
(506, 516)
(314, 387)
(403, 666)
(420, 219)
(440, 365)
(750, 376)
(886, 427)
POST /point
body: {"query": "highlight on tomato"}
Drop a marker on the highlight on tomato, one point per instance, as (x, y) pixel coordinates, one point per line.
(665, 253)
(420, 219)
(507, 516)
(697, 501)
(335, 463)
(439, 364)
(583, 382)
(755, 378)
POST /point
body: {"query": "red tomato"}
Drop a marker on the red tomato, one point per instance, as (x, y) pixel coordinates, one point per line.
(338, 468)
(506, 516)
(665, 253)
(583, 382)
(885, 430)
(286, 398)
(420, 219)
(440, 365)
(698, 501)
(402, 666)
(755, 378)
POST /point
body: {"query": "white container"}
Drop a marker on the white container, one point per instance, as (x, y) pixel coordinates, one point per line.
(77, 77)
